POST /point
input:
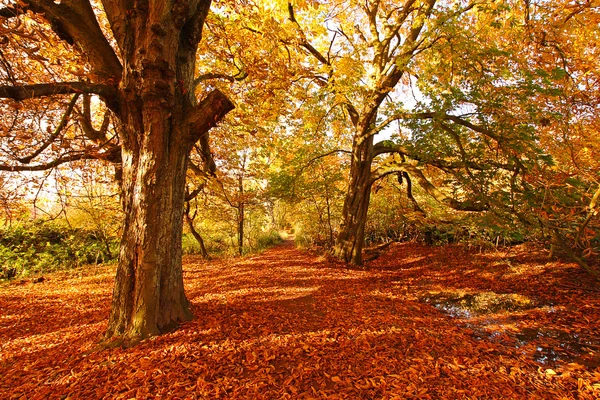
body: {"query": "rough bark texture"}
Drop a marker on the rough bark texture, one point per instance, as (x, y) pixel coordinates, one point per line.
(350, 241)
(160, 123)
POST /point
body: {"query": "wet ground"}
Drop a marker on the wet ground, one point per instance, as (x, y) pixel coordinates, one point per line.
(492, 316)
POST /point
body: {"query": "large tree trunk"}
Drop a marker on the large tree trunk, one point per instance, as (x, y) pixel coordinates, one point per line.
(349, 244)
(160, 122)
(148, 297)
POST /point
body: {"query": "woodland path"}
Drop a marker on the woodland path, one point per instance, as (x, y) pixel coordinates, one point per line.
(287, 324)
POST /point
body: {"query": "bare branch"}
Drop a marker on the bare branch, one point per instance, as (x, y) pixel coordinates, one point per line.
(62, 124)
(413, 170)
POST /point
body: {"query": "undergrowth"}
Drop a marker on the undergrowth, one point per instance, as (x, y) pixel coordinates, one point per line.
(41, 247)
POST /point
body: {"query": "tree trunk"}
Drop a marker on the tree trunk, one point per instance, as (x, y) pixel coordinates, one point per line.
(148, 296)
(196, 234)
(159, 123)
(350, 241)
(240, 228)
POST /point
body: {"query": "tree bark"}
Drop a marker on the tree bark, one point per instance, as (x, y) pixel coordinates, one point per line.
(148, 296)
(349, 243)
(160, 122)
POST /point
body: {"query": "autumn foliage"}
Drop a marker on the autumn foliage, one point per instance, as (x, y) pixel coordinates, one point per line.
(436, 162)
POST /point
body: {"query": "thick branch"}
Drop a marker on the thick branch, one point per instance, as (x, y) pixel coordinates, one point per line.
(231, 78)
(24, 92)
(388, 147)
(205, 116)
(75, 22)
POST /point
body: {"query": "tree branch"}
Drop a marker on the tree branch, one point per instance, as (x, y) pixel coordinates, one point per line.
(463, 153)
(108, 155)
(303, 42)
(439, 116)
(86, 123)
(412, 169)
(312, 160)
(205, 116)
(62, 124)
(75, 22)
(409, 192)
(23, 92)
(211, 75)
(388, 147)
(12, 11)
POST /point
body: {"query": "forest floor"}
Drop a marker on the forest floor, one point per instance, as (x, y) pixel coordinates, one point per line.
(421, 322)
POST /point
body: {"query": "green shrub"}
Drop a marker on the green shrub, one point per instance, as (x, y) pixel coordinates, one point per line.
(268, 239)
(40, 247)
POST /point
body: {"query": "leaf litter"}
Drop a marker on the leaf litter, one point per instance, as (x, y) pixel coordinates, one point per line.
(291, 325)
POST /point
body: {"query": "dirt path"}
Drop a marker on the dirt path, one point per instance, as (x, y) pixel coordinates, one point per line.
(289, 325)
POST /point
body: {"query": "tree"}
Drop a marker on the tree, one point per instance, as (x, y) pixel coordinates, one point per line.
(478, 103)
(139, 60)
(379, 41)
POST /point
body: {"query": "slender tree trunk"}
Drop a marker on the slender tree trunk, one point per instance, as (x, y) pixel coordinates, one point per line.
(240, 229)
(240, 207)
(350, 241)
(190, 221)
(328, 204)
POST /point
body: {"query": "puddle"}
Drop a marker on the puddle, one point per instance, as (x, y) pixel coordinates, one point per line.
(464, 305)
(570, 347)
(545, 346)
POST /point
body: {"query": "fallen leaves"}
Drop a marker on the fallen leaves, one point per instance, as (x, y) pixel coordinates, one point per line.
(288, 325)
